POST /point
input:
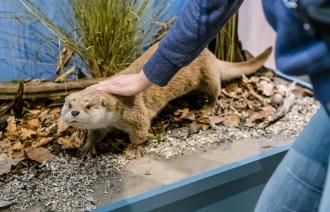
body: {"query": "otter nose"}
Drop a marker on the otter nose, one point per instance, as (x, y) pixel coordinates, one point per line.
(74, 113)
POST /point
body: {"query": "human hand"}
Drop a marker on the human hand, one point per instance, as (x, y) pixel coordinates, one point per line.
(124, 85)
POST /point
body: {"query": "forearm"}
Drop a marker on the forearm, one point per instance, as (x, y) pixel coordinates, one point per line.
(197, 25)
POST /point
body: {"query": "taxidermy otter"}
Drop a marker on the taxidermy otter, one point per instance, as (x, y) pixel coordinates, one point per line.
(98, 112)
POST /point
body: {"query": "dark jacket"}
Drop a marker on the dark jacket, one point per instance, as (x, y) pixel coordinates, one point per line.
(297, 52)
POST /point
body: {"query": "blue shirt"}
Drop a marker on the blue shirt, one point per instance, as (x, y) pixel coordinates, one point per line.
(296, 51)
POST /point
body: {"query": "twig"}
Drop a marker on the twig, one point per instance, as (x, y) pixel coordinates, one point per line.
(19, 101)
(228, 94)
(65, 75)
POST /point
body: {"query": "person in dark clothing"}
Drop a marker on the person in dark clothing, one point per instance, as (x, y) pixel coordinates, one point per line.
(302, 180)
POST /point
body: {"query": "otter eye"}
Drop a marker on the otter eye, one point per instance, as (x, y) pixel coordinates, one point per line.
(89, 106)
(103, 103)
(69, 105)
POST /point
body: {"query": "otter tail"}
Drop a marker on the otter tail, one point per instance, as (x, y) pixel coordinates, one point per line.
(235, 70)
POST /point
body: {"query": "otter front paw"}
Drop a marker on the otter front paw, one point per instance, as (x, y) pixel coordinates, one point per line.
(87, 150)
(94, 137)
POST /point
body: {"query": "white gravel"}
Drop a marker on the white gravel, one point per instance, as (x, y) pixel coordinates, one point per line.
(68, 185)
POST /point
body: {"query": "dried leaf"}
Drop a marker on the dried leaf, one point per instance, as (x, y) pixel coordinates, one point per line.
(181, 112)
(304, 91)
(231, 120)
(18, 146)
(266, 111)
(240, 104)
(216, 120)
(206, 111)
(256, 80)
(254, 117)
(54, 113)
(5, 145)
(70, 142)
(18, 155)
(61, 125)
(47, 131)
(205, 127)
(254, 94)
(27, 134)
(34, 112)
(42, 142)
(231, 87)
(269, 73)
(230, 95)
(5, 164)
(186, 115)
(194, 127)
(203, 120)
(42, 132)
(190, 116)
(43, 115)
(34, 123)
(266, 88)
(55, 110)
(245, 80)
(281, 89)
(11, 126)
(40, 154)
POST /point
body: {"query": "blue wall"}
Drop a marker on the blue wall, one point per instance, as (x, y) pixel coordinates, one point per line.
(27, 48)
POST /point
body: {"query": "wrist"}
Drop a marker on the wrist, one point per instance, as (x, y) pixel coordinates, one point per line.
(143, 77)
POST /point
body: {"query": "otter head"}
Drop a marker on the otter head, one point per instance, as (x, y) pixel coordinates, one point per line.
(87, 110)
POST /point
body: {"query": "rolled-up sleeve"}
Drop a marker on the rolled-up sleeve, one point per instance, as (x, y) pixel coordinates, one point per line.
(194, 28)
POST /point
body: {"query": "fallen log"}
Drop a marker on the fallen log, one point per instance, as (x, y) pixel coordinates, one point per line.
(288, 101)
(37, 89)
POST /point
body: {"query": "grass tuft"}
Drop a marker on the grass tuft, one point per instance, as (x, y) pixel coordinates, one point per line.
(226, 45)
(108, 34)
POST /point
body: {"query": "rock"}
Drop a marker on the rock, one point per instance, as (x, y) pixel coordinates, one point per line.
(4, 204)
(5, 164)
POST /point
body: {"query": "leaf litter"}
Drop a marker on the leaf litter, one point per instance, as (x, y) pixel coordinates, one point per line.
(38, 150)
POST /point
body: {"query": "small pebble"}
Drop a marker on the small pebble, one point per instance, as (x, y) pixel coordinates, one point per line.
(148, 172)
(277, 99)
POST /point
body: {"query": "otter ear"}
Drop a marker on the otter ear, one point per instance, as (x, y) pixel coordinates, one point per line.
(104, 103)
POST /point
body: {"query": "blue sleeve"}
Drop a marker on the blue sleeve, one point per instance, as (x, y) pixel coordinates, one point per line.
(196, 26)
(297, 51)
